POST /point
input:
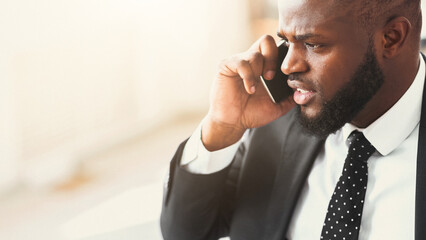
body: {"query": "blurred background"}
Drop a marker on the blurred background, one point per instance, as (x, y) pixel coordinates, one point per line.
(95, 96)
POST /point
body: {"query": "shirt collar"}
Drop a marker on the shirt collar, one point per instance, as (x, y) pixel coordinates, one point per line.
(393, 127)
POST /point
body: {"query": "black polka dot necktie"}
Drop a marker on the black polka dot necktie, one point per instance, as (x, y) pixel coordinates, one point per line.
(344, 212)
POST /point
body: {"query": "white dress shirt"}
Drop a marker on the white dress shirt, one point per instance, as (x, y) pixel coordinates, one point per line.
(390, 198)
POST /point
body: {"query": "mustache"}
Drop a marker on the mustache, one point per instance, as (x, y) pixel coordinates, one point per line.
(298, 77)
(304, 80)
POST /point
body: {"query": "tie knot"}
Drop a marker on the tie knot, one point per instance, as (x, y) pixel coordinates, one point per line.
(359, 147)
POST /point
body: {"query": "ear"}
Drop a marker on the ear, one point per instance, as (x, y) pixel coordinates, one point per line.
(395, 34)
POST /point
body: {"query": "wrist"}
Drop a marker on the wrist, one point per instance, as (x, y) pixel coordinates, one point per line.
(219, 135)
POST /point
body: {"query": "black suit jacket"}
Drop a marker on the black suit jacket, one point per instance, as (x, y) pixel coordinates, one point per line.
(255, 196)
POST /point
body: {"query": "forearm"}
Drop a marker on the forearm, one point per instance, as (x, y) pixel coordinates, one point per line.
(193, 206)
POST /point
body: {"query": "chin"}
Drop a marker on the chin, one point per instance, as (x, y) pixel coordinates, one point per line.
(310, 113)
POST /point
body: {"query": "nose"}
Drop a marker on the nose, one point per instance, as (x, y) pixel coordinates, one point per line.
(294, 61)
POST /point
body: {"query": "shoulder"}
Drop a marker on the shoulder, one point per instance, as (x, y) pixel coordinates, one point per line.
(265, 144)
(279, 129)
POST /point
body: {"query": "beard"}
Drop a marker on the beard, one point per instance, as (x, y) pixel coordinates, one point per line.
(348, 101)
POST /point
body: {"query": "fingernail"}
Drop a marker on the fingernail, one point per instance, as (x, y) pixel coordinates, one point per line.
(269, 74)
(252, 89)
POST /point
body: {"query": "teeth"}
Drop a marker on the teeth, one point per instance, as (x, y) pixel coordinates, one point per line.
(301, 90)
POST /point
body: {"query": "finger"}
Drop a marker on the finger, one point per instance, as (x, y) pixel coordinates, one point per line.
(269, 50)
(245, 71)
(256, 62)
(240, 66)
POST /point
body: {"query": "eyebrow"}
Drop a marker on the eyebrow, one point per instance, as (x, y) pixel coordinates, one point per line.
(299, 37)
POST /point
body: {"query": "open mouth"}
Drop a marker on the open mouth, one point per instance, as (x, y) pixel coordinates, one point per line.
(302, 92)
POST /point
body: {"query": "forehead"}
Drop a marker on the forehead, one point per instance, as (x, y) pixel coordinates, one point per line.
(302, 16)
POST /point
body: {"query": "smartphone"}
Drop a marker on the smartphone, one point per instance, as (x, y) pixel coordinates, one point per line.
(277, 87)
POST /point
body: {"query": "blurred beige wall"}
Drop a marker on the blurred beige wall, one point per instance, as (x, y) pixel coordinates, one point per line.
(78, 76)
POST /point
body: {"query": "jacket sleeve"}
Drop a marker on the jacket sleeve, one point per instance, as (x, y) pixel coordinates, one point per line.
(197, 206)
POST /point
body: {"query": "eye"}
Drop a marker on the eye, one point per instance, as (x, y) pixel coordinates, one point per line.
(313, 45)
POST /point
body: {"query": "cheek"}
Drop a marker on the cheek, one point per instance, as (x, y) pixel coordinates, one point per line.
(331, 74)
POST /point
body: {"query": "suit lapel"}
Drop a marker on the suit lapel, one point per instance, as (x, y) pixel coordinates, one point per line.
(297, 156)
(420, 218)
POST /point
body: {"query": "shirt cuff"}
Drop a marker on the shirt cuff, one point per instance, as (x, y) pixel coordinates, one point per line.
(197, 159)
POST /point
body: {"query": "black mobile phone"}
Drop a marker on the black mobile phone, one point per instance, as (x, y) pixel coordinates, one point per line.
(277, 87)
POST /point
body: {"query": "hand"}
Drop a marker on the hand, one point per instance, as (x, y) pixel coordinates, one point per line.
(238, 99)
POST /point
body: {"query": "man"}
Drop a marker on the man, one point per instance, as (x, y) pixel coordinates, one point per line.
(357, 74)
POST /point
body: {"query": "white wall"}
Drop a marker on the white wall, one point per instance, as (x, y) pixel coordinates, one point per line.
(423, 3)
(77, 76)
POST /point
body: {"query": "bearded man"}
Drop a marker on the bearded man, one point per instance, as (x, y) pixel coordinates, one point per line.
(344, 157)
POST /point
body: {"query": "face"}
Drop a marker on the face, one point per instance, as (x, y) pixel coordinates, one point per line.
(348, 101)
(331, 64)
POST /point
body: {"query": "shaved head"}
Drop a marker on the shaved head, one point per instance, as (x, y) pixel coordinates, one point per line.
(373, 13)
